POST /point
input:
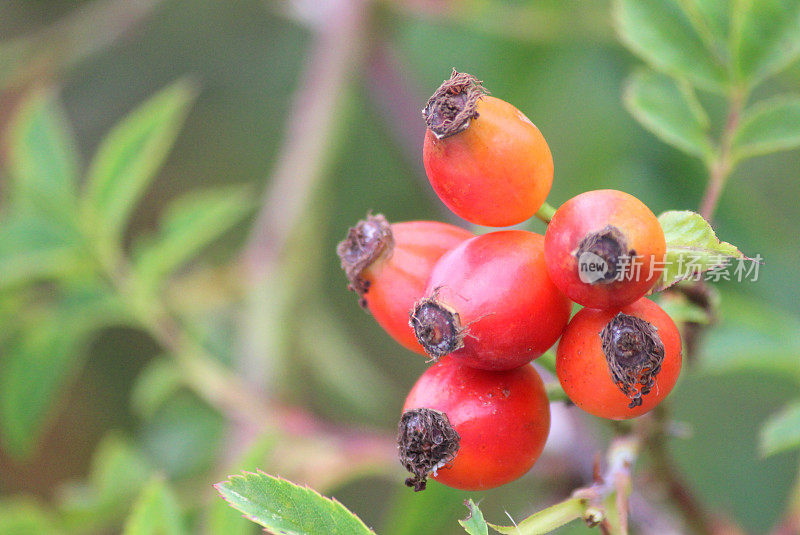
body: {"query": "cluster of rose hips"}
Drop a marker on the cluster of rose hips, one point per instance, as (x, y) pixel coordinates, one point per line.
(483, 307)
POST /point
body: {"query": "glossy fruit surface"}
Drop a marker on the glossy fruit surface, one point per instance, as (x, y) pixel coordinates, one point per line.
(490, 303)
(389, 266)
(497, 170)
(600, 344)
(502, 420)
(604, 249)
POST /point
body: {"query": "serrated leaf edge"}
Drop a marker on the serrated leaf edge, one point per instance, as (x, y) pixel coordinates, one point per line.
(472, 508)
(660, 286)
(259, 473)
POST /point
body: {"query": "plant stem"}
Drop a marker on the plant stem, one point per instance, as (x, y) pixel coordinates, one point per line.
(694, 514)
(203, 374)
(402, 111)
(350, 449)
(546, 212)
(720, 167)
(335, 56)
(604, 503)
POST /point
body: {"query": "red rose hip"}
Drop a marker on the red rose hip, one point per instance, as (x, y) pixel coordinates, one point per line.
(619, 364)
(389, 265)
(604, 249)
(490, 303)
(473, 429)
(485, 160)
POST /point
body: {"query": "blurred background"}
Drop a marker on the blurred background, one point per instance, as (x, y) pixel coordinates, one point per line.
(305, 115)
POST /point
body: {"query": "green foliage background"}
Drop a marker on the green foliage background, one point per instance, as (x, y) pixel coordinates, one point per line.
(90, 417)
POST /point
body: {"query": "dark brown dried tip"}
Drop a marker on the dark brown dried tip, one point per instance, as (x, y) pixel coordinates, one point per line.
(436, 326)
(365, 243)
(603, 256)
(634, 353)
(451, 108)
(426, 442)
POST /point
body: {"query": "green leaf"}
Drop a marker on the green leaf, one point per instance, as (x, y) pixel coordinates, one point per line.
(183, 437)
(24, 516)
(43, 158)
(781, 432)
(711, 20)
(155, 512)
(670, 110)
(766, 38)
(662, 34)
(190, 224)
(117, 473)
(14, 306)
(155, 384)
(128, 158)
(769, 126)
(283, 507)
(692, 248)
(40, 361)
(33, 371)
(474, 524)
(546, 520)
(752, 335)
(221, 517)
(35, 247)
(118, 469)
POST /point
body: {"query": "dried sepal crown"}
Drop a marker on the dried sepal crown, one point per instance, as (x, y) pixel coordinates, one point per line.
(426, 442)
(453, 105)
(367, 241)
(634, 353)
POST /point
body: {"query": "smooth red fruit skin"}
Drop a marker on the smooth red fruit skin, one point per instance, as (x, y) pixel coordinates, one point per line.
(497, 172)
(583, 371)
(591, 212)
(510, 310)
(503, 419)
(397, 282)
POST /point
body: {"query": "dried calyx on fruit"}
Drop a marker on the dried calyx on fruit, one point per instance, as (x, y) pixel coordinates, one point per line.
(604, 248)
(451, 108)
(370, 239)
(610, 246)
(634, 353)
(483, 157)
(437, 327)
(619, 363)
(479, 429)
(388, 266)
(490, 303)
(426, 441)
